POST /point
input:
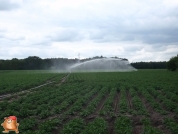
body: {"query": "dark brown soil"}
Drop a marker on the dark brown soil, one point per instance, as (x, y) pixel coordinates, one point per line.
(138, 129)
(116, 103)
(101, 104)
(129, 100)
(156, 118)
(63, 80)
(87, 103)
(111, 125)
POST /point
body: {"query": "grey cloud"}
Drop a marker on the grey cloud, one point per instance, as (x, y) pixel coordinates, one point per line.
(154, 39)
(8, 5)
(168, 34)
(157, 36)
(159, 26)
(128, 37)
(17, 39)
(1, 36)
(12, 38)
(66, 35)
(133, 48)
(42, 43)
(152, 25)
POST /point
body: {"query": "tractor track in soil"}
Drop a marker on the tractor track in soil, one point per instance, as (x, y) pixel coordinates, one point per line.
(63, 79)
(31, 89)
(111, 120)
(24, 91)
(146, 105)
(129, 99)
(116, 103)
(101, 105)
(138, 129)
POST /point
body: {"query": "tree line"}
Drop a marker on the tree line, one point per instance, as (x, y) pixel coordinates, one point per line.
(37, 63)
(150, 65)
(173, 63)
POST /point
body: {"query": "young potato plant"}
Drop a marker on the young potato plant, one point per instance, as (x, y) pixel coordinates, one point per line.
(16, 81)
(98, 126)
(49, 125)
(123, 103)
(94, 103)
(138, 105)
(123, 125)
(27, 124)
(148, 129)
(74, 126)
(171, 124)
(151, 100)
(109, 103)
(77, 106)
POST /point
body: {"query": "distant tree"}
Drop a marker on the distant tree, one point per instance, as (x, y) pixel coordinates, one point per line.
(150, 65)
(124, 59)
(33, 62)
(172, 64)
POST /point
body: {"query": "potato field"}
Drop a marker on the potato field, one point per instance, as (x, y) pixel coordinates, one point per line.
(139, 102)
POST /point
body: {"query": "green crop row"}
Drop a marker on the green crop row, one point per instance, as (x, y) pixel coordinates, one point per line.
(14, 82)
(108, 107)
(54, 108)
(123, 125)
(98, 126)
(137, 103)
(148, 128)
(82, 101)
(172, 125)
(151, 100)
(123, 103)
(93, 104)
(78, 126)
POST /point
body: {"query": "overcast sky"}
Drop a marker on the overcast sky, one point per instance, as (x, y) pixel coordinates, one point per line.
(139, 30)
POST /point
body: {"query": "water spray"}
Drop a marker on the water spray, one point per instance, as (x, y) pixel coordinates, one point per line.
(102, 65)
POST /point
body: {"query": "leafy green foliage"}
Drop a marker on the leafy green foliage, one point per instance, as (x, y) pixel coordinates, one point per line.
(171, 124)
(109, 103)
(82, 95)
(123, 125)
(148, 129)
(49, 125)
(74, 126)
(27, 124)
(98, 126)
(15, 81)
(172, 64)
(138, 105)
(123, 104)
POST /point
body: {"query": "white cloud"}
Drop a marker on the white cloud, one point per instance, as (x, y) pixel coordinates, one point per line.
(133, 29)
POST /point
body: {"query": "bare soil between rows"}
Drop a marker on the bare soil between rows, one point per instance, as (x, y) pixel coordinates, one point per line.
(138, 128)
(155, 117)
